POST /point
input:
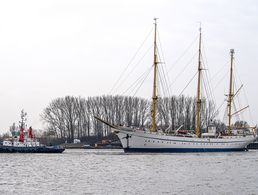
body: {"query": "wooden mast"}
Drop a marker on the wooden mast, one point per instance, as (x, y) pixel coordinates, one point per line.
(154, 97)
(230, 95)
(198, 111)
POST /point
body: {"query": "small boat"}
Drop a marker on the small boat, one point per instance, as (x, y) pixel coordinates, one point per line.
(87, 146)
(26, 144)
(157, 141)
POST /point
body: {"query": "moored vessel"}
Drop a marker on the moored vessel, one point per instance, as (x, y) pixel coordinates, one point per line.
(156, 140)
(26, 143)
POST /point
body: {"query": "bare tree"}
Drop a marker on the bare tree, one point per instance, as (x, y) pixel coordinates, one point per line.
(71, 117)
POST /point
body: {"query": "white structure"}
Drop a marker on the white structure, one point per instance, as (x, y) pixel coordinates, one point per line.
(17, 143)
(142, 141)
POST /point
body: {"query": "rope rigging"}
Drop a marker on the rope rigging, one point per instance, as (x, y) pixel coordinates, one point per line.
(134, 85)
(237, 97)
(218, 110)
(220, 70)
(133, 69)
(162, 84)
(188, 83)
(130, 62)
(207, 75)
(141, 84)
(165, 65)
(183, 70)
(163, 80)
(183, 54)
(222, 79)
(163, 77)
(207, 85)
(238, 113)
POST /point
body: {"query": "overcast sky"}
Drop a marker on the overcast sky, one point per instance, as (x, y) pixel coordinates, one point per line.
(51, 49)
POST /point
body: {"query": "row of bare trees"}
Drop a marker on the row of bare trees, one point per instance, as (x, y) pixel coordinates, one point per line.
(73, 117)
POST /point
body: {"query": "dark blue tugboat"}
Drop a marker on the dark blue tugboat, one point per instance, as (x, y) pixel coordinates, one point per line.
(28, 144)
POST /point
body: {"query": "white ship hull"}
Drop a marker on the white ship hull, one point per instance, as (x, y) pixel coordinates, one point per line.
(141, 141)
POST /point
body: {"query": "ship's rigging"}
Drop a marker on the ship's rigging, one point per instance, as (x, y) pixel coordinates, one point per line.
(154, 140)
(162, 87)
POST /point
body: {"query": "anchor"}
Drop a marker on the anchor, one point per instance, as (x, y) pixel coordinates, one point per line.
(127, 138)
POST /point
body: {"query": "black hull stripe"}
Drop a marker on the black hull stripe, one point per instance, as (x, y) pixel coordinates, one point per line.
(180, 150)
(39, 149)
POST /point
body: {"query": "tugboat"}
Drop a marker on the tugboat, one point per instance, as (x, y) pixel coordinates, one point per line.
(26, 144)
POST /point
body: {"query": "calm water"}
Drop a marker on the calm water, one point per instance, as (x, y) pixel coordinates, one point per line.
(113, 172)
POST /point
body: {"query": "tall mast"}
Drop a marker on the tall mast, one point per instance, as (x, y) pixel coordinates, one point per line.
(230, 94)
(154, 97)
(198, 121)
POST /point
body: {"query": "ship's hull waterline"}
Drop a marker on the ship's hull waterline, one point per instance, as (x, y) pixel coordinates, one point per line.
(36, 149)
(137, 141)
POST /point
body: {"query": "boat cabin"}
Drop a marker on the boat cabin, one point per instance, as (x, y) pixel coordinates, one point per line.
(211, 132)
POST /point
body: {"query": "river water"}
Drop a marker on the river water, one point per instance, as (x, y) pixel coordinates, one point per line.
(113, 172)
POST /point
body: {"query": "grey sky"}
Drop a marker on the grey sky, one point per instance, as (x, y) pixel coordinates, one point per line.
(50, 49)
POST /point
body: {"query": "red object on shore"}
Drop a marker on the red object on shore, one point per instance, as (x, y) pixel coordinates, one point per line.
(30, 133)
(21, 139)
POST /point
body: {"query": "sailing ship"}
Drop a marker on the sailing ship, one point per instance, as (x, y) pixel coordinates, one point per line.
(154, 140)
(28, 143)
